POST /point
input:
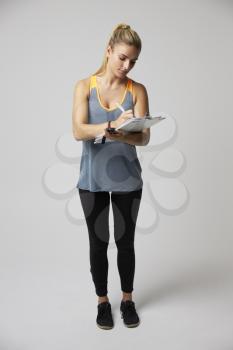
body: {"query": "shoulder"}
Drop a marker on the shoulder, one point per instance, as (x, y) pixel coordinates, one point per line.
(139, 90)
(83, 85)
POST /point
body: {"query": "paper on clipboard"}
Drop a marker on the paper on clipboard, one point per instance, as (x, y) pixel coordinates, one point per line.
(136, 124)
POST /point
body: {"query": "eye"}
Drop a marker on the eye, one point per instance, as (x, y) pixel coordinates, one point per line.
(123, 58)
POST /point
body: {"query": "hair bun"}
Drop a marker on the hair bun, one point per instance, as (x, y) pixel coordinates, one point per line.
(125, 26)
(122, 26)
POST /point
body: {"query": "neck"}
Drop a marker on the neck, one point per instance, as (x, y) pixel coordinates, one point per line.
(110, 80)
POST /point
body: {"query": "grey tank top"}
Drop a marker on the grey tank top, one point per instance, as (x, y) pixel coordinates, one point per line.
(112, 166)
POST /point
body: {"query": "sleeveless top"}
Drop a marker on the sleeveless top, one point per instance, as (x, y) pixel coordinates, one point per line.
(112, 166)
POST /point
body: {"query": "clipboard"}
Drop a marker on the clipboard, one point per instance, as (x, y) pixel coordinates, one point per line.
(136, 124)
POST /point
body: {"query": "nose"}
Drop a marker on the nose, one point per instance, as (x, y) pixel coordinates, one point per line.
(126, 65)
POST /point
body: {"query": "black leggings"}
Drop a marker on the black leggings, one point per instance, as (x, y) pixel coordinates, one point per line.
(125, 206)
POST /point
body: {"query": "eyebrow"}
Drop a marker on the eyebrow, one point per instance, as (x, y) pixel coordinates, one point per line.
(134, 59)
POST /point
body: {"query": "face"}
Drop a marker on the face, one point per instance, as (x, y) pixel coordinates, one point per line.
(122, 59)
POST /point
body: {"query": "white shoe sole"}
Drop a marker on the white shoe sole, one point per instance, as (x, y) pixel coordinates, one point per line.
(104, 327)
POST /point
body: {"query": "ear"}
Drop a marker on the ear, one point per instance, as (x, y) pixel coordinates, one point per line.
(108, 51)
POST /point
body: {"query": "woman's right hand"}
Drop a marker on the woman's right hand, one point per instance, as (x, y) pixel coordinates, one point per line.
(122, 118)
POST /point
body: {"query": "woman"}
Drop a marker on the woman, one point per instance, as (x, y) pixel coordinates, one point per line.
(111, 167)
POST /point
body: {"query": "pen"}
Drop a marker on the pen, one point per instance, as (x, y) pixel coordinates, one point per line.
(120, 107)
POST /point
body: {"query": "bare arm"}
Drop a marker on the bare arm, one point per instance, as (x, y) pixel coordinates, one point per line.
(81, 129)
(141, 109)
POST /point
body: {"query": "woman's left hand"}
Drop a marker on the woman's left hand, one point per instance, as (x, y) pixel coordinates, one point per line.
(117, 137)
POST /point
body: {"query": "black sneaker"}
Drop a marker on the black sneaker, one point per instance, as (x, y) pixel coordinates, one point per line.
(104, 318)
(129, 314)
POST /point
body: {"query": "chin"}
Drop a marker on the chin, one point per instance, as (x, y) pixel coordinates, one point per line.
(121, 74)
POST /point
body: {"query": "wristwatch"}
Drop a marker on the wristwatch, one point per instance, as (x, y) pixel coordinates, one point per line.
(104, 137)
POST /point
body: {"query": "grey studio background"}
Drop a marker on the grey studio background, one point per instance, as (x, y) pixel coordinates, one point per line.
(183, 279)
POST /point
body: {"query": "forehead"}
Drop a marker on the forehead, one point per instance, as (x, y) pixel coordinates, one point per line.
(128, 50)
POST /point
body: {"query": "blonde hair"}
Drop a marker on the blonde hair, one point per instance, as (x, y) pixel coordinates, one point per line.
(122, 33)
